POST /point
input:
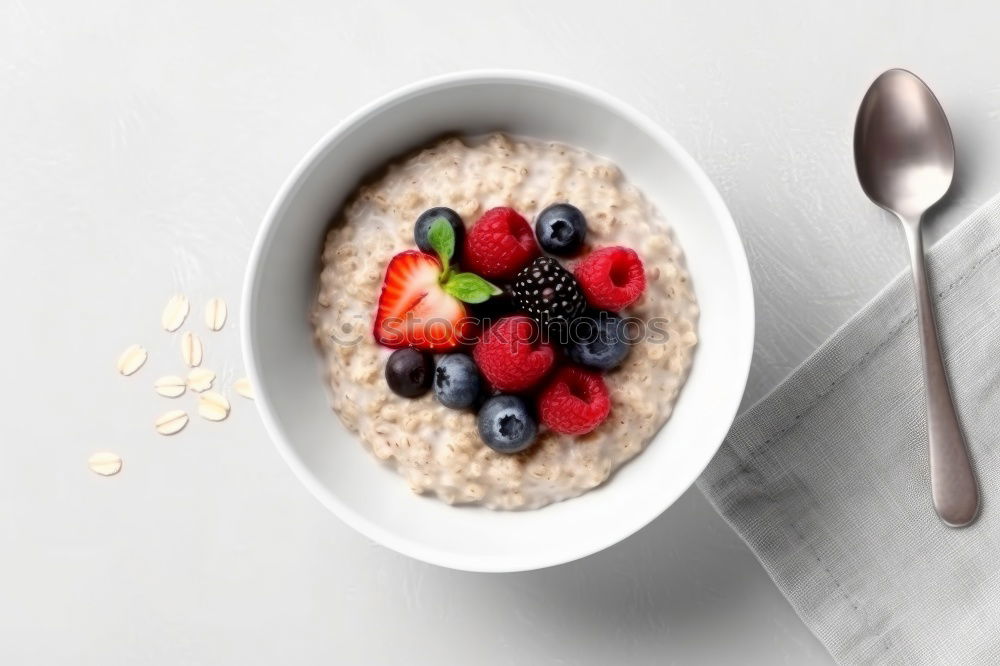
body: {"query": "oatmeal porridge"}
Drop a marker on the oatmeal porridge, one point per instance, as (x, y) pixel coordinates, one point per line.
(434, 438)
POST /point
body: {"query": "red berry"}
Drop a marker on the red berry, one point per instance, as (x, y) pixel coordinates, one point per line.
(511, 356)
(574, 402)
(612, 277)
(499, 244)
(415, 311)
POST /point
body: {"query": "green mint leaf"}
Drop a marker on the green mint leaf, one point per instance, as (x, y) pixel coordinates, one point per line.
(442, 239)
(470, 288)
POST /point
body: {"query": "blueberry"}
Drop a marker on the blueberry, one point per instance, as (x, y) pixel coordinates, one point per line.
(426, 219)
(561, 229)
(599, 340)
(506, 425)
(456, 381)
(409, 372)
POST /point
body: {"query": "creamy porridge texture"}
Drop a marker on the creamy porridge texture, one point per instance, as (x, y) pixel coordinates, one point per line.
(436, 449)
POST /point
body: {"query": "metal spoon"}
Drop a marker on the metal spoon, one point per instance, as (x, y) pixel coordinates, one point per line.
(905, 157)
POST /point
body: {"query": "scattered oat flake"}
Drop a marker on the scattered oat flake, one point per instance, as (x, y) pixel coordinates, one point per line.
(213, 406)
(215, 314)
(171, 422)
(243, 387)
(175, 312)
(131, 359)
(170, 386)
(105, 463)
(200, 379)
(191, 349)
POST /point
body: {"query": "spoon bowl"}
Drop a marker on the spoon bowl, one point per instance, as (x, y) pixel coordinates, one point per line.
(903, 146)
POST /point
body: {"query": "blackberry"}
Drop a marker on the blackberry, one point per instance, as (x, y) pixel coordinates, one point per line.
(549, 293)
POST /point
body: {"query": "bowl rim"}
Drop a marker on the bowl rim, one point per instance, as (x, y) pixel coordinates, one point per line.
(406, 546)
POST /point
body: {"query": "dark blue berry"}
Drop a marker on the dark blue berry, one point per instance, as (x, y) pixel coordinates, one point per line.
(561, 229)
(506, 425)
(423, 227)
(494, 307)
(599, 340)
(456, 381)
(409, 372)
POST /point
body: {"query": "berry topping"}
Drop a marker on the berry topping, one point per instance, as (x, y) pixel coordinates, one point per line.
(421, 230)
(499, 244)
(574, 402)
(506, 425)
(415, 310)
(422, 303)
(612, 277)
(599, 340)
(498, 306)
(511, 356)
(548, 292)
(408, 372)
(561, 229)
(456, 381)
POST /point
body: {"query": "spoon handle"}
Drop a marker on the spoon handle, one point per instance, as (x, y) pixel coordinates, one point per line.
(953, 483)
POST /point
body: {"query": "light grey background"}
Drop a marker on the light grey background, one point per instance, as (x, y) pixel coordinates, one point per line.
(140, 144)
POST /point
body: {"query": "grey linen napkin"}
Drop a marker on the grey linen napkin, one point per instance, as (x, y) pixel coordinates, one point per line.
(827, 479)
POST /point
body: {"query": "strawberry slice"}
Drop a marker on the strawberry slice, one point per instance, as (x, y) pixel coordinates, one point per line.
(414, 310)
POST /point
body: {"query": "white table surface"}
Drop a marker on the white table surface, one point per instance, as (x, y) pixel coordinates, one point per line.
(141, 144)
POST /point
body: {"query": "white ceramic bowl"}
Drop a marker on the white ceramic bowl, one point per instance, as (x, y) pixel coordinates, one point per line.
(284, 364)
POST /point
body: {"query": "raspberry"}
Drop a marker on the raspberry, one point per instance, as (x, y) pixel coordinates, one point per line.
(511, 356)
(499, 244)
(574, 402)
(612, 277)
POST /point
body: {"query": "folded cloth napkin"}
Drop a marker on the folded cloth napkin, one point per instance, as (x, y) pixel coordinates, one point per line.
(827, 477)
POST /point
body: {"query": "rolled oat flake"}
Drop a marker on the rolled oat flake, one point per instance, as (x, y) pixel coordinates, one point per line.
(200, 379)
(170, 386)
(213, 406)
(104, 463)
(175, 312)
(243, 387)
(191, 349)
(171, 422)
(215, 314)
(131, 359)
